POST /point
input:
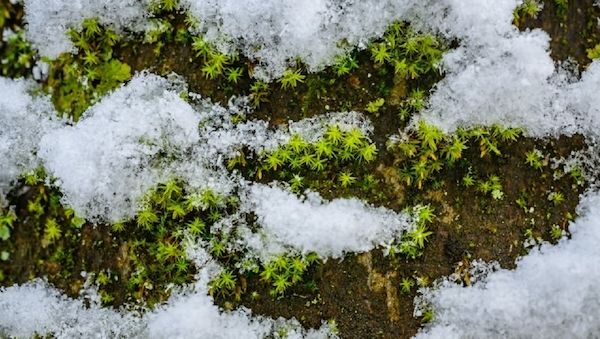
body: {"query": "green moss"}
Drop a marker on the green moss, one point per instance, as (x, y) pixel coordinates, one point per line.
(151, 256)
(410, 53)
(562, 7)
(427, 150)
(594, 53)
(305, 165)
(291, 78)
(77, 81)
(535, 159)
(345, 64)
(491, 187)
(158, 7)
(4, 14)
(412, 243)
(528, 9)
(286, 271)
(7, 219)
(16, 55)
(374, 106)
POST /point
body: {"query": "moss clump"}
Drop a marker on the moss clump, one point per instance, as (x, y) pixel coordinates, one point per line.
(285, 271)
(594, 53)
(77, 81)
(412, 243)
(529, 9)
(428, 150)
(412, 54)
(336, 164)
(17, 57)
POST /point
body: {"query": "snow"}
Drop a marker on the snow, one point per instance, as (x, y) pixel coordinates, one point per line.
(276, 33)
(505, 83)
(23, 119)
(502, 75)
(329, 228)
(35, 307)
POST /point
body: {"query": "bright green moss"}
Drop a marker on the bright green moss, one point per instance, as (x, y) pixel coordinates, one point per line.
(594, 53)
(427, 151)
(528, 9)
(410, 53)
(17, 57)
(77, 81)
(413, 241)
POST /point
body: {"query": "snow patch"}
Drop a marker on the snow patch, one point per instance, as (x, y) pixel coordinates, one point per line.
(37, 308)
(23, 119)
(499, 74)
(310, 224)
(49, 20)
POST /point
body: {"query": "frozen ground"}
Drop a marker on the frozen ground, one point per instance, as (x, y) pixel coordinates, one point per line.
(106, 162)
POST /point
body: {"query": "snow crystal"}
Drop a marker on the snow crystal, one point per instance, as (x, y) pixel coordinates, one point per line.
(48, 20)
(331, 229)
(23, 119)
